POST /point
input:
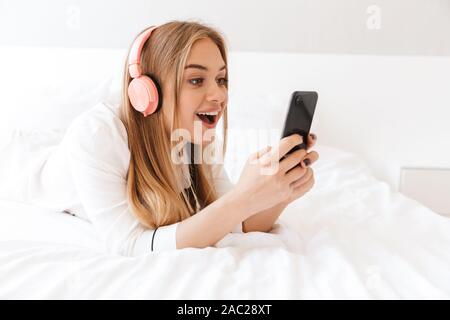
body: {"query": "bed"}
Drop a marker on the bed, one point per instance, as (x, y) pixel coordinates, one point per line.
(353, 236)
(350, 237)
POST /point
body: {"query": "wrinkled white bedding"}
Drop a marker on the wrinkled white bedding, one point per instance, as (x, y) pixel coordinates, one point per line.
(350, 237)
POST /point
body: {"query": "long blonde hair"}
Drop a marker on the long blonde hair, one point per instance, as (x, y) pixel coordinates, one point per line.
(153, 187)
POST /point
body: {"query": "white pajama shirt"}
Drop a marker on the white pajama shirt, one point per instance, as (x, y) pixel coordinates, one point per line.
(85, 175)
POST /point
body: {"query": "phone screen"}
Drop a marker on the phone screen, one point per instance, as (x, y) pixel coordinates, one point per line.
(300, 115)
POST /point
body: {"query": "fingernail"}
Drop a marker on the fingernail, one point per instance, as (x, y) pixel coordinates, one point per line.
(306, 162)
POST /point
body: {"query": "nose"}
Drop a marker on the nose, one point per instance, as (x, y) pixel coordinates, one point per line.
(216, 93)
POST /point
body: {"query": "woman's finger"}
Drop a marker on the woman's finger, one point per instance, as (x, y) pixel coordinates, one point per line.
(279, 151)
(309, 159)
(292, 160)
(287, 143)
(303, 179)
(262, 152)
(304, 188)
(312, 139)
(295, 174)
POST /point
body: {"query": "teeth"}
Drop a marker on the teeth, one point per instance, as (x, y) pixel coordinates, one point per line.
(214, 113)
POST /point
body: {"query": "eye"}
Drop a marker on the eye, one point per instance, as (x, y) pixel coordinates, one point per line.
(193, 81)
(224, 81)
(198, 81)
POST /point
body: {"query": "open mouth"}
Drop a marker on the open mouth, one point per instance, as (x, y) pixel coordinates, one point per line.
(208, 118)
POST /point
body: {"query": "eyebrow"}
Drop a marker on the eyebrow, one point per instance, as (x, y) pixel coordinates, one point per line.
(198, 66)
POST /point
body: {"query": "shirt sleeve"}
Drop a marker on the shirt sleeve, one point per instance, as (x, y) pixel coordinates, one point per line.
(223, 184)
(98, 160)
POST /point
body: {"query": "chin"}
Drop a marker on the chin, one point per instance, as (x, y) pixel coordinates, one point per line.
(203, 142)
(202, 135)
(206, 143)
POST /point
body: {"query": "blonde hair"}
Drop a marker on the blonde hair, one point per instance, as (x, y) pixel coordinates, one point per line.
(153, 187)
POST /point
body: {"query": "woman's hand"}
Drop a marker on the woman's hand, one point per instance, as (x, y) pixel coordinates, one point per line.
(266, 181)
(306, 182)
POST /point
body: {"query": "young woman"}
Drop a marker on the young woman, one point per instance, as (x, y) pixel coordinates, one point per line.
(115, 165)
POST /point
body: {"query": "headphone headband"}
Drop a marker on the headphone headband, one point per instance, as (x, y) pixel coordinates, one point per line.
(134, 58)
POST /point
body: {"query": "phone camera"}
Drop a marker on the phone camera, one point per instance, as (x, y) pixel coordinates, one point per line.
(298, 100)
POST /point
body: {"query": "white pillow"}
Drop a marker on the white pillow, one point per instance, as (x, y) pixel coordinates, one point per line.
(18, 151)
(21, 222)
(45, 88)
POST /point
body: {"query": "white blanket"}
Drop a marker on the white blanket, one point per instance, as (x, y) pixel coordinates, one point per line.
(350, 237)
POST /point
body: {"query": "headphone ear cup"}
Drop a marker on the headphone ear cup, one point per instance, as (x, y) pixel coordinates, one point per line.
(160, 95)
(144, 95)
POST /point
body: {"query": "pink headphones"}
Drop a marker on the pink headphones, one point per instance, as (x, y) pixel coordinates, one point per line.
(144, 92)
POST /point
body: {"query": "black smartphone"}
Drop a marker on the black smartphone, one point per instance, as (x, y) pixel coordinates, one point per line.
(300, 115)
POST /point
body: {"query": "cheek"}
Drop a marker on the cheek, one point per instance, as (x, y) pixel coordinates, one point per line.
(187, 117)
(189, 103)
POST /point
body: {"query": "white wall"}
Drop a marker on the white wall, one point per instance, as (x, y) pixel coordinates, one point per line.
(416, 27)
(391, 110)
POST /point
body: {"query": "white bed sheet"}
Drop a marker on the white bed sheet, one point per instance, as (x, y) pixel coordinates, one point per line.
(350, 237)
